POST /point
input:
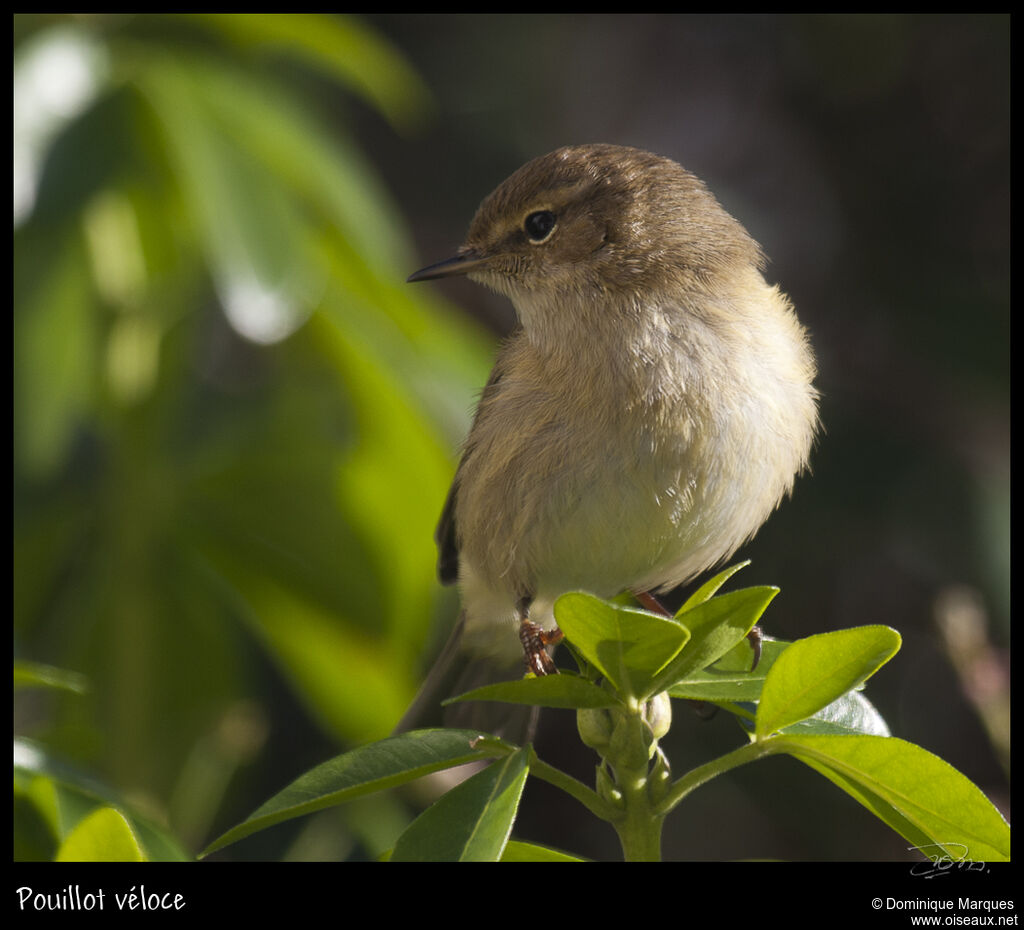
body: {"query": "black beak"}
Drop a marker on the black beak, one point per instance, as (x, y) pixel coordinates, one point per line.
(462, 263)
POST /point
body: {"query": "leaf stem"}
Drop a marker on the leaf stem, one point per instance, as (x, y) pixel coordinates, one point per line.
(589, 798)
(640, 829)
(704, 773)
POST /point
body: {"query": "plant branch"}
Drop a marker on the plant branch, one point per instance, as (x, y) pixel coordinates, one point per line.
(704, 773)
(589, 798)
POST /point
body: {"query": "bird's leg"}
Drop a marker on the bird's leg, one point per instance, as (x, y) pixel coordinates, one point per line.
(535, 641)
(652, 604)
(754, 637)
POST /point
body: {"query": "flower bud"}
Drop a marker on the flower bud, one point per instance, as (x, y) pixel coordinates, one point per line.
(660, 778)
(595, 727)
(607, 788)
(658, 713)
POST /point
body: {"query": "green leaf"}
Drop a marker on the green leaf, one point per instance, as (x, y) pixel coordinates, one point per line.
(628, 646)
(715, 626)
(564, 690)
(323, 172)
(104, 836)
(37, 675)
(55, 339)
(852, 714)
(813, 672)
(258, 245)
(343, 48)
(518, 851)
(375, 767)
(64, 796)
(731, 678)
(919, 795)
(472, 822)
(707, 590)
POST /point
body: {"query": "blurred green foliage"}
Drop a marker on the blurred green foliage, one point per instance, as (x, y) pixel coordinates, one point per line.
(233, 421)
(211, 335)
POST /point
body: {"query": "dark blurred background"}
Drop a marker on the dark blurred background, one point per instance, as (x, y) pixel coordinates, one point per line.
(234, 424)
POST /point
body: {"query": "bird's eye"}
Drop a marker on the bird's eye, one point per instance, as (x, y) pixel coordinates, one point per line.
(538, 225)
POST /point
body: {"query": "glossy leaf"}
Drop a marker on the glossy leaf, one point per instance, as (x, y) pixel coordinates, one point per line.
(518, 851)
(472, 822)
(916, 793)
(628, 646)
(384, 764)
(715, 627)
(63, 796)
(342, 47)
(731, 677)
(256, 240)
(851, 714)
(710, 587)
(37, 675)
(815, 671)
(104, 836)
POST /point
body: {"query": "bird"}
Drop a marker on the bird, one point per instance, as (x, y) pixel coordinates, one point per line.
(652, 408)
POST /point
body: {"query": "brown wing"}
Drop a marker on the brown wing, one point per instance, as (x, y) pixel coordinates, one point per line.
(445, 535)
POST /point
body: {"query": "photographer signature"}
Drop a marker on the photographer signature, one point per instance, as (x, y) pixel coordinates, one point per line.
(943, 858)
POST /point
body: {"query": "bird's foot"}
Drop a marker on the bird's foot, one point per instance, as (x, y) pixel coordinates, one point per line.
(535, 641)
(754, 637)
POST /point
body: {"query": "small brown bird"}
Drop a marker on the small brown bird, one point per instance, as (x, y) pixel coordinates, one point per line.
(652, 410)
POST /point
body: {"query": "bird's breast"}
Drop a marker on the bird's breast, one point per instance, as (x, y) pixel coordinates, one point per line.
(638, 472)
